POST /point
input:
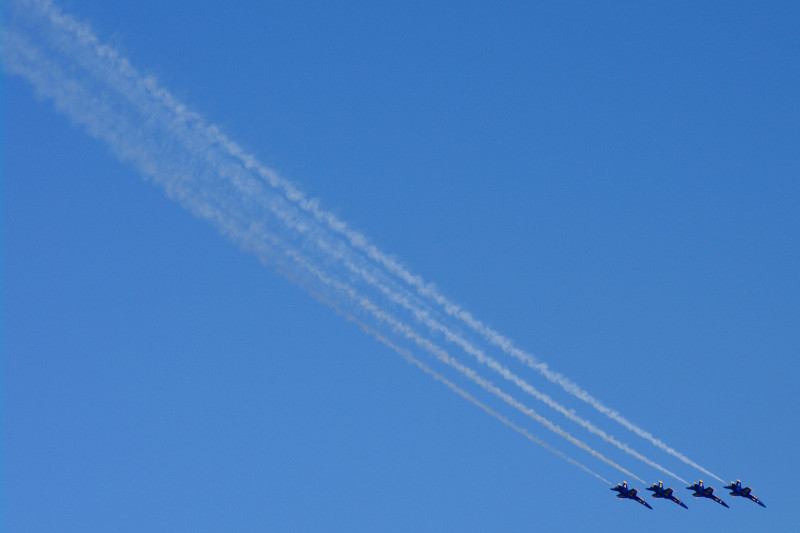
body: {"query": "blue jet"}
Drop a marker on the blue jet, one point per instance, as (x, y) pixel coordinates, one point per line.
(705, 492)
(737, 490)
(625, 492)
(660, 492)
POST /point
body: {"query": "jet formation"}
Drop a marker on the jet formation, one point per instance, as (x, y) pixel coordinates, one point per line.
(700, 491)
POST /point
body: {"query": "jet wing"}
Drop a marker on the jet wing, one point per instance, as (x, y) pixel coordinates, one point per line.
(757, 501)
(676, 500)
(642, 502)
(716, 499)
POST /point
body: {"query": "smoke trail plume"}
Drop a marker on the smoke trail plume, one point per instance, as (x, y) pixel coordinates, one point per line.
(215, 179)
(208, 174)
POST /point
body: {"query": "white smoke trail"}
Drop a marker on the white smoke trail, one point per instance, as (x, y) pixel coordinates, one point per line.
(358, 241)
(228, 203)
(188, 129)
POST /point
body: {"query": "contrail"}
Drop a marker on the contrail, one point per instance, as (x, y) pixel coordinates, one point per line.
(76, 94)
(184, 117)
(237, 201)
(230, 203)
(360, 242)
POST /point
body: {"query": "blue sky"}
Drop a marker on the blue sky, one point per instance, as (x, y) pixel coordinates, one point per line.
(612, 187)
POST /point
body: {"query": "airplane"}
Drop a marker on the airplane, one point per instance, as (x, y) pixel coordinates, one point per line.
(660, 492)
(625, 492)
(705, 492)
(737, 490)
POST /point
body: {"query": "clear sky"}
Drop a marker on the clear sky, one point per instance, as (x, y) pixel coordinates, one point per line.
(613, 187)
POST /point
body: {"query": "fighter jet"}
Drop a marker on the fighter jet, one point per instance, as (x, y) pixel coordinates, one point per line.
(625, 492)
(705, 492)
(737, 490)
(660, 492)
